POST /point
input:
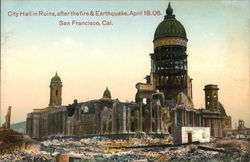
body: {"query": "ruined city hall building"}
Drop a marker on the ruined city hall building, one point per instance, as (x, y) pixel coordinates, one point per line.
(163, 105)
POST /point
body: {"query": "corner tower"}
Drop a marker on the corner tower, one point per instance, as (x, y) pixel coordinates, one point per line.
(55, 91)
(169, 61)
(211, 97)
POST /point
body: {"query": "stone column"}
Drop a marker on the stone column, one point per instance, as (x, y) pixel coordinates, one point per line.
(113, 118)
(137, 117)
(150, 117)
(220, 127)
(101, 122)
(187, 118)
(176, 118)
(182, 118)
(124, 121)
(57, 122)
(46, 125)
(65, 123)
(158, 117)
(129, 120)
(194, 119)
(200, 120)
(140, 116)
(35, 133)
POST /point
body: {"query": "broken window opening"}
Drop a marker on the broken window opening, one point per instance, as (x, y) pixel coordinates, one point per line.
(132, 126)
(86, 109)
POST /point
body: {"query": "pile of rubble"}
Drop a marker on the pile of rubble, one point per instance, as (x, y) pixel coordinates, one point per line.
(117, 150)
(15, 146)
(219, 150)
(104, 149)
(26, 156)
(97, 148)
(11, 141)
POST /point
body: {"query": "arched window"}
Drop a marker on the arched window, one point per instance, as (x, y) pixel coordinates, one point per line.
(57, 92)
(85, 109)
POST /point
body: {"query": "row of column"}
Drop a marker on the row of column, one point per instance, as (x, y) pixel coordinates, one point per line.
(122, 123)
(195, 120)
(215, 126)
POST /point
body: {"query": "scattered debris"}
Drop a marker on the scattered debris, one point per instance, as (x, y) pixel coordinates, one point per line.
(104, 149)
(12, 141)
(211, 149)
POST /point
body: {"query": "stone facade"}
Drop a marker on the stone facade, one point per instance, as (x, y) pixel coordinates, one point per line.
(163, 105)
(169, 75)
(112, 117)
(46, 122)
(99, 117)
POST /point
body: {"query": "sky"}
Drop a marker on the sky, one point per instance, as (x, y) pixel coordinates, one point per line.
(90, 58)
